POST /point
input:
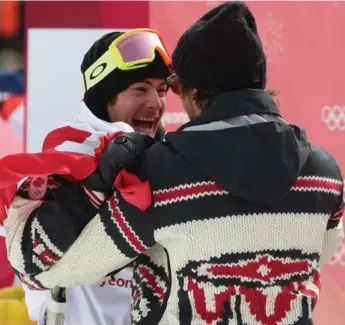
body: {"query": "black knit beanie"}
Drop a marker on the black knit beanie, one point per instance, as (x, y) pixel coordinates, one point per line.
(222, 51)
(97, 98)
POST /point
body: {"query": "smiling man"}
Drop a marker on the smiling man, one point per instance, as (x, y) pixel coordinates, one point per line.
(136, 96)
(124, 76)
(141, 105)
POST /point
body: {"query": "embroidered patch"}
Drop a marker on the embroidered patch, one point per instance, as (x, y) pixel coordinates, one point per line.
(37, 188)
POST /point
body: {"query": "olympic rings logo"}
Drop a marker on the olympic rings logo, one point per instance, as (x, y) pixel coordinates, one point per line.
(334, 117)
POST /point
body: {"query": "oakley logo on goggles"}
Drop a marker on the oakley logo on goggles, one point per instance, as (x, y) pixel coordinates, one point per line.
(132, 50)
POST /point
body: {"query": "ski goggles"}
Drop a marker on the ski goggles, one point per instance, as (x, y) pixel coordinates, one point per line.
(132, 50)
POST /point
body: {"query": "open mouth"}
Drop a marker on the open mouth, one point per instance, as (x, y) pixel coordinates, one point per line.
(145, 124)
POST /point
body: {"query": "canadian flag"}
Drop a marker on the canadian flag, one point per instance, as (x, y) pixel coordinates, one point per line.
(66, 151)
(71, 150)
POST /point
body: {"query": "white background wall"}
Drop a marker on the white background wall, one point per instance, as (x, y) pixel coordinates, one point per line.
(54, 84)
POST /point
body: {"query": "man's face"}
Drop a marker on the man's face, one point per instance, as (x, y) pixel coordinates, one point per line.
(189, 105)
(186, 96)
(141, 105)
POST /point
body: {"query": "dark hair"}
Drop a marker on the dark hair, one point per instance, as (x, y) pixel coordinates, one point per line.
(202, 98)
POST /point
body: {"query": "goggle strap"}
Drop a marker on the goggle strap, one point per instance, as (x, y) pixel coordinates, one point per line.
(99, 70)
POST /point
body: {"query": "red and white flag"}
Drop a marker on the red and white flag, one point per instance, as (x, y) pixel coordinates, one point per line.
(71, 150)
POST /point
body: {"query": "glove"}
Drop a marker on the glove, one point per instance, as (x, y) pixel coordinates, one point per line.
(124, 151)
